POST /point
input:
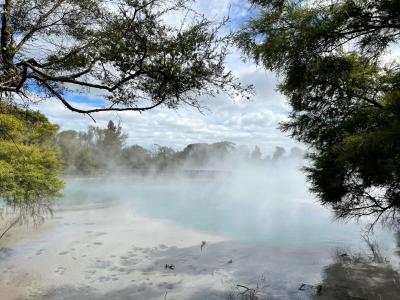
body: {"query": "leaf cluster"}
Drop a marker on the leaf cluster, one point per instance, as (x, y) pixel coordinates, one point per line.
(345, 100)
(29, 162)
(122, 50)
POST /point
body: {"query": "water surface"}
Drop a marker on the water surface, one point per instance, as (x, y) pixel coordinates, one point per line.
(274, 210)
(112, 236)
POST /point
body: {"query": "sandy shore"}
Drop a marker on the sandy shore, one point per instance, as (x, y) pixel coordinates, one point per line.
(101, 249)
(111, 253)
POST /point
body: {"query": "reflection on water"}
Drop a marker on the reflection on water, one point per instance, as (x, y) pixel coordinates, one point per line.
(357, 277)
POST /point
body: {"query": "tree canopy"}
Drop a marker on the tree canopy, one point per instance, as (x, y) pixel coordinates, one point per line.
(29, 163)
(87, 152)
(124, 51)
(333, 61)
(103, 151)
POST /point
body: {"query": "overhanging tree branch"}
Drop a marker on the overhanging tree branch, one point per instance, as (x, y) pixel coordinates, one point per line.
(90, 111)
(129, 53)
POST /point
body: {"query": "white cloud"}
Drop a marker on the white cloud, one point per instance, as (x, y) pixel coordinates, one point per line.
(251, 122)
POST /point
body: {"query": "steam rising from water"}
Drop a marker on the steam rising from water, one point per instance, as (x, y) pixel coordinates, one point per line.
(267, 203)
(113, 236)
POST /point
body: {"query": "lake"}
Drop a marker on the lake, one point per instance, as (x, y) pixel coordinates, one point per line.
(140, 237)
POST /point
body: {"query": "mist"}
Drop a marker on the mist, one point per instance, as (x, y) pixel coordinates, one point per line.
(209, 221)
(265, 202)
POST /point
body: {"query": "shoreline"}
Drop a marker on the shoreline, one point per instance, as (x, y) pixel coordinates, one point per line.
(99, 251)
(112, 253)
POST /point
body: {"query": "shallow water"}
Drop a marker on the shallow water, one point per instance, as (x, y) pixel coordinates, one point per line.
(111, 238)
(274, 210)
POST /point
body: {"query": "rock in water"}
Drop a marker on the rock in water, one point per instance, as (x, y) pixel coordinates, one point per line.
(203, 243)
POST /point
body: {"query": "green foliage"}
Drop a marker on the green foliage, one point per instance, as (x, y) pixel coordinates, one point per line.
(84, 162)
(123, 49)
(256, 154)
(98, 149)
(136, 157)
(278, 153)
(30, 166)
(345, 100)
(202, 154)
(103, 151)
(110, 141)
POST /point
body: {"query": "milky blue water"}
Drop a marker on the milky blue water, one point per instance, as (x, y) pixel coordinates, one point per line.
(270, 206)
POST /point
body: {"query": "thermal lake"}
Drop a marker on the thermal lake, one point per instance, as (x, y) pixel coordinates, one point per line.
(140, 237)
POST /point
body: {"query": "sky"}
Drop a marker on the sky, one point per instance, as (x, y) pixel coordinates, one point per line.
(244, 122)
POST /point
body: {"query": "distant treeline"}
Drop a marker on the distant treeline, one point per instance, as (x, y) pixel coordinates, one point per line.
(102, 150)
